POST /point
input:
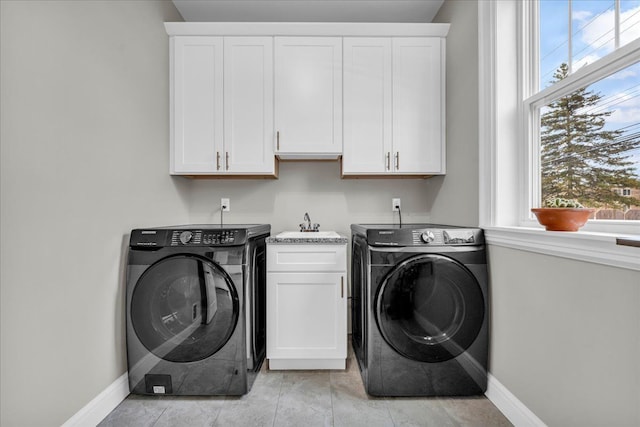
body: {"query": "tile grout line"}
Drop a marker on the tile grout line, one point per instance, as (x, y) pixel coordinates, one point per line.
(224, 403)
(275, 415)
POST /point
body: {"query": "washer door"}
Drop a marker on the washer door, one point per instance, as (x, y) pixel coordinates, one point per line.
(430, 308)
(184, 308)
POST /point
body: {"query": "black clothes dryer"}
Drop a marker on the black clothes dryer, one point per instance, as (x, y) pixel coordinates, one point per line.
(195, 308)
(420, 309)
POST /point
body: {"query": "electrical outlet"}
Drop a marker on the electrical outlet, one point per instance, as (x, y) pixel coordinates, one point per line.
(395, 205)
(225, 205)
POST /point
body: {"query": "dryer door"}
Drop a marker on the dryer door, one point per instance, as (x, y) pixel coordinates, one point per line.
(184, 308)
(430, 308)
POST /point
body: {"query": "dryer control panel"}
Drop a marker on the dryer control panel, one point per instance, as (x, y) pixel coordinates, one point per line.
(187, 237)
(205, 237)
(419, 235)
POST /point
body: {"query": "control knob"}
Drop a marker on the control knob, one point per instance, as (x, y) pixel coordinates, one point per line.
(185, 237)
(427, 236)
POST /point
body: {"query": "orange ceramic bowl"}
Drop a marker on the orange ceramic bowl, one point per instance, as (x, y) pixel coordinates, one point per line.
(562, 219)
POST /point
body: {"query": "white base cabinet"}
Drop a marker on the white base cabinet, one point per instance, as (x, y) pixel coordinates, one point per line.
(306, 306)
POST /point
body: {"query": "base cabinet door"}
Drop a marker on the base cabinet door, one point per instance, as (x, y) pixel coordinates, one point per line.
(306, 320)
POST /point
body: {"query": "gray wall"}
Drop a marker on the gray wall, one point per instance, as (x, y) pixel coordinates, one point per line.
(84, 137)
(565, 334)
(84, 147)
(566, 338)
(313, 187)
(455, 196)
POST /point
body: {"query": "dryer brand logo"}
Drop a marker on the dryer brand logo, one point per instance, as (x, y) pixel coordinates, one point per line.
(386, 232)
(148, 232)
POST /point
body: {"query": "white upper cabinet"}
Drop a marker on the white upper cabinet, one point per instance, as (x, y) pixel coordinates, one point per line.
(196, 115)
(393, 106)
(418, 105)
(248, 105)
(308, 97)
(222, 112)
(243, 95)
(367, 106)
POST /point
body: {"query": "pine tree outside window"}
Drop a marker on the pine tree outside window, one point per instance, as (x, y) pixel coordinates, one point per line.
(583, 105)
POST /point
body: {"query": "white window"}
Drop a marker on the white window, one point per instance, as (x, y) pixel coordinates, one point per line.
(583, 112)
(535, 57)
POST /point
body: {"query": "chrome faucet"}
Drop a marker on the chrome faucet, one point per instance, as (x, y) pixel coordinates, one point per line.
(307, 226)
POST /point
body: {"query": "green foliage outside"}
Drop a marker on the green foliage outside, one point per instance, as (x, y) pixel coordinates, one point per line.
(579, 158)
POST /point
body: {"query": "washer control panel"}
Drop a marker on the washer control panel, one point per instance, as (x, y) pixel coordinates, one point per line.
(417, 235)
(205, 237)
(187, 237)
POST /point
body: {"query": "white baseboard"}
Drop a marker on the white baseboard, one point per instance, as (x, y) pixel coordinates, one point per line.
(510, 406)
(95, 411)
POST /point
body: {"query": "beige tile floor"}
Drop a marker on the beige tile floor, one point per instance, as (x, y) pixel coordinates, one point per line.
(305, 398)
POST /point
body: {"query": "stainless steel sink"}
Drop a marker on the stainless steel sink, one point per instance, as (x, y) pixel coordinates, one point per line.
(307, 235)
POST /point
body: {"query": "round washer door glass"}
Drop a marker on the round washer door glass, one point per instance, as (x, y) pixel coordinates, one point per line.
(184, 308)
(430, 308)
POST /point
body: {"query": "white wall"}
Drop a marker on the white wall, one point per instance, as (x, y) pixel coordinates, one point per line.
(84, 149)
(565, 335)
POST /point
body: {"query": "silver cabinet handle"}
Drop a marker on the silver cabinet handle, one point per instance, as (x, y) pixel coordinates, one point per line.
(388, 160)
(217, 160)
(278, 140)
(226, 161)
(341, 286)
(397, 160)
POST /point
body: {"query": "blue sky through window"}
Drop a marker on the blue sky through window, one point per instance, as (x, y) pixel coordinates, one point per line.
(593, 36)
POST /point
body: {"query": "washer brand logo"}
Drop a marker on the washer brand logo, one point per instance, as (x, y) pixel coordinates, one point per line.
(386, 232)
(148, 232)
(146, 243)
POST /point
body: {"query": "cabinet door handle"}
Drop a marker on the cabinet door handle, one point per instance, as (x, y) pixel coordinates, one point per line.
(278, 140)
(341, 286)
(388, 160)
(217, 160)
(397, 160)
(226, 160)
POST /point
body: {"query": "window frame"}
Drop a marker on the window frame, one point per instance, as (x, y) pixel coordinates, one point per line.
(532, 100)
(507, 30)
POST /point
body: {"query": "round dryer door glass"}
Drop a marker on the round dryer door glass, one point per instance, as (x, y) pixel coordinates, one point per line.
(184, 308)
(430, 308)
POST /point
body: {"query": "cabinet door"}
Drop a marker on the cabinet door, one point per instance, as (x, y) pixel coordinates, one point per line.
(308, 95)
(306, 315)
(367, 106)
(418, 105)
(196, 114)
(248, 105)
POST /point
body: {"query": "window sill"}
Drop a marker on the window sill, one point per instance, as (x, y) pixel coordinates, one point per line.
(599, 248)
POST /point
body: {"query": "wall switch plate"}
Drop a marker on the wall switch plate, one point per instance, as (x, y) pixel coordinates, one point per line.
(225, 205)
(395, 205)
